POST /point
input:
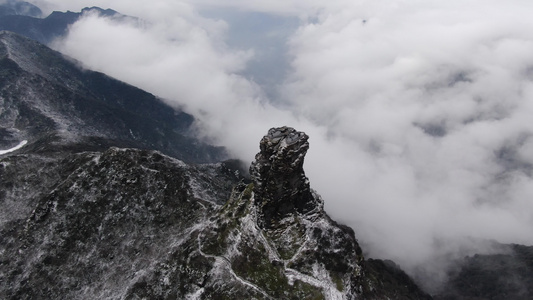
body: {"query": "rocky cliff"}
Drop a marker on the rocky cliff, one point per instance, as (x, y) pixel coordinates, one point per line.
(130, 224)
(280, 185)
(93, 225)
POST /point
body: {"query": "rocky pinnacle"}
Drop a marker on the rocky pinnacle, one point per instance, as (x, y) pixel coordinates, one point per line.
(281, 188)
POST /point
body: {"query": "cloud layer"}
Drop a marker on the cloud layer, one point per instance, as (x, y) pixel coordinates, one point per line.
(418, 111)
(433, 101)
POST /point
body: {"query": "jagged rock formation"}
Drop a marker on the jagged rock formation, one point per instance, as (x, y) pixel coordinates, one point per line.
(130, 224)
(301, 254)
(280, 184)
(276, 236)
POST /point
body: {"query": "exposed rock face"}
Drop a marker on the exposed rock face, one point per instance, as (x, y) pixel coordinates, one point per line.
(280, 184)
(275, 235)
(132, 224)
(93, 225)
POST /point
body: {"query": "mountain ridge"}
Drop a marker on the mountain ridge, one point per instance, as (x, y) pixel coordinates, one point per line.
(47, 96)
(21, 8)
(46, 30)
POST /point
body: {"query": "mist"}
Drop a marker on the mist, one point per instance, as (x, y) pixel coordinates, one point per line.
(418, 112)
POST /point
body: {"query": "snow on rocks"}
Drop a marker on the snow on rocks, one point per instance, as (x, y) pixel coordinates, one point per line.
(20, 145)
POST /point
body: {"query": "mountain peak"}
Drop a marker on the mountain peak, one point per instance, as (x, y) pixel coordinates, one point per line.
(22, 8)
(100, 11)
(280, 184)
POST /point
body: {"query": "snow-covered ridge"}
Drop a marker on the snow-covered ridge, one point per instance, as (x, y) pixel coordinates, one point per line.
(20, 145)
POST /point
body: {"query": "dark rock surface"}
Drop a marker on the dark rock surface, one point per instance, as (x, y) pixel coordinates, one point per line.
(280, 184)
(389, 281)
(91, 225)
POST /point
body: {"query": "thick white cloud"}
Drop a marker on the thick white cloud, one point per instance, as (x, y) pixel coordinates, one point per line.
(418, 111)
(436, 98)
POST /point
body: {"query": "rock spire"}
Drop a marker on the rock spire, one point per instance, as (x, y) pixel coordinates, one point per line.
(280, 185)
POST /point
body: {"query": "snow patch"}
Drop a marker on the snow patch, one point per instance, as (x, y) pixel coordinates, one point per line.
(321, 280)
(20, 145)
(196, 295)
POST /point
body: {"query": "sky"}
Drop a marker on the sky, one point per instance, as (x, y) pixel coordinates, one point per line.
(418, 111)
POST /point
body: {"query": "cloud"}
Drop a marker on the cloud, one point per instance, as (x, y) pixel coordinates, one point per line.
(433, 99)
(418, 111)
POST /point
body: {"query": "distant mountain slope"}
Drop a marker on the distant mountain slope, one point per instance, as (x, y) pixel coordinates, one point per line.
(22, 8)
(497, 277)
(51, 102)
(45, 30)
